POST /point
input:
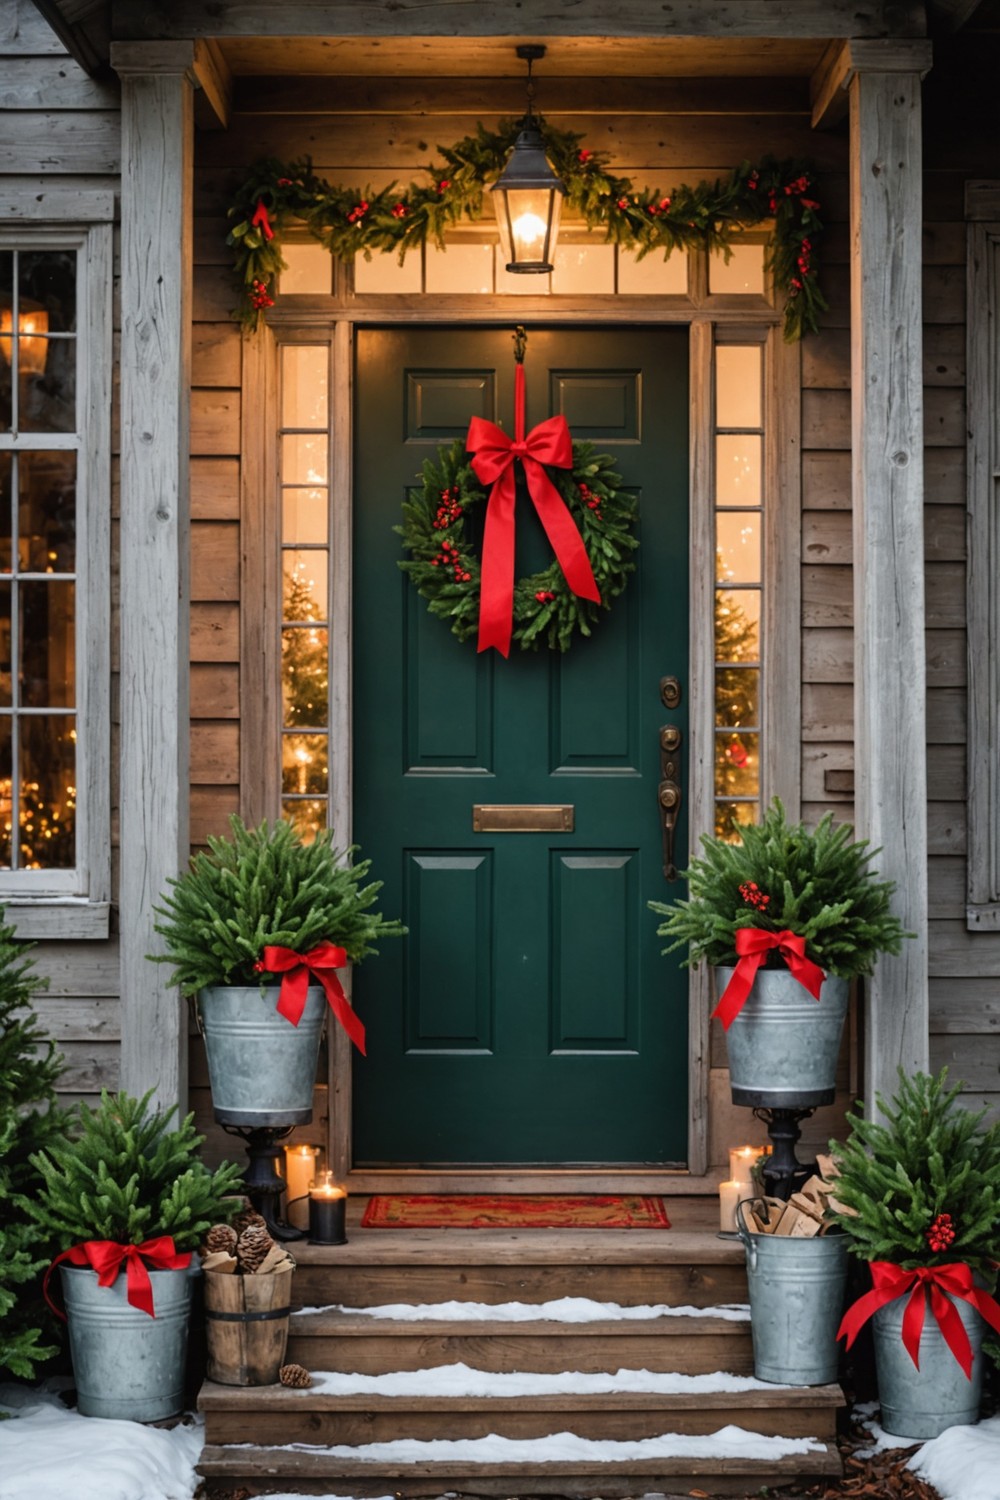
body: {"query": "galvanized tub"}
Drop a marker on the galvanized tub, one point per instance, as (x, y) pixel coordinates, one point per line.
(127, 1364)
(783, 1045)
(261, 1068)
(924, 1403)
(796, 1301)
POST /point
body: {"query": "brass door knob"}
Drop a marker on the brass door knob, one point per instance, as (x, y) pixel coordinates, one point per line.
(670, 794)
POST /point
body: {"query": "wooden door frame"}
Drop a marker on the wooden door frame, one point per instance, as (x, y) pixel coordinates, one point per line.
(709, 319)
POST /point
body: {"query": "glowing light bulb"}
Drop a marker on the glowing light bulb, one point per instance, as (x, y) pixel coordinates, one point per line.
(529, 229)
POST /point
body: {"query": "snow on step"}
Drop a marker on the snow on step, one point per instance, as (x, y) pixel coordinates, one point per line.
(562, 1310)
(463, 1380)
(560, 1448)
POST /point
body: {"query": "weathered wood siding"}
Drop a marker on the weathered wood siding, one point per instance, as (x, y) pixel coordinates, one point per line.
(60, 130)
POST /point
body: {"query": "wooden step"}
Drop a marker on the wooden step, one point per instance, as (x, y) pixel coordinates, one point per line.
(273, 1415)
(354, 1342)
(686, 1265)
(261, 1470)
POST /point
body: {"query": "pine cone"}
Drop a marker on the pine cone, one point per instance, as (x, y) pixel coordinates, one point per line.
(295, 1375)
(252, 1247)
(220, 1237)
(248, 1217)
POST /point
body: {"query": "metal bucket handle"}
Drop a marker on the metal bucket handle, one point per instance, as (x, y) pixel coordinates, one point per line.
(744, 1233)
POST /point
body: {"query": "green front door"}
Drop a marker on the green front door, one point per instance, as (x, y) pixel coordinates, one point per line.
(528, 1017)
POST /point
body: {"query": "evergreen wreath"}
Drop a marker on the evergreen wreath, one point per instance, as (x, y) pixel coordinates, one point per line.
(396, 218)
(445, 567)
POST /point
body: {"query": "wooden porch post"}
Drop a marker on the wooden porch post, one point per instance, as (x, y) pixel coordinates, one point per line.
(887, 441)
(157, 137)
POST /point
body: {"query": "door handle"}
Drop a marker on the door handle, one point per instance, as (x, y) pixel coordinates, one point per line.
(668, 794)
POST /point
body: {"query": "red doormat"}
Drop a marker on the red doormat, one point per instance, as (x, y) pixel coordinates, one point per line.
(493, 1211)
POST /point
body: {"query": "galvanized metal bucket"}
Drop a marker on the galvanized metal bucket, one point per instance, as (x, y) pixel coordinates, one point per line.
(127, 1364)
(924, 1403)
(783, 1045)
(796, 1301)
(261, 1068)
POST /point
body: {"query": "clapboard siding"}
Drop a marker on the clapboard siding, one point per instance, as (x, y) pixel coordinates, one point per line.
(61, 133)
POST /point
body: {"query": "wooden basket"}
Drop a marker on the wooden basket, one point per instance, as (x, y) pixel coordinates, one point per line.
(247, 1326)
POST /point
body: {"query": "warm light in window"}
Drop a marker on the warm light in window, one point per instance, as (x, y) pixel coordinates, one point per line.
(32, 325)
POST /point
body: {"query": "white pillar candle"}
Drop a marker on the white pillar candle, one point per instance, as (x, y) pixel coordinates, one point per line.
(730, 1194)
(300, 1169)
(741, 1160)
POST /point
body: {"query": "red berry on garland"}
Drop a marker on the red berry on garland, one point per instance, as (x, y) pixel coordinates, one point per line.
(444, 185)
(664, 205)
(623, 204)
(584, 155)
(400, 211)
(941, 1234)
(284, 182)
(809, 203)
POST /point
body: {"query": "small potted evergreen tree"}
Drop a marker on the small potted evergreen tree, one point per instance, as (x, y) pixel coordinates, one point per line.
(256, 929)
(786, 918)
(128, 1198)
(919, 1198)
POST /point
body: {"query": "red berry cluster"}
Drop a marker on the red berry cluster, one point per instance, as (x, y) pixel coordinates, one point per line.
(941, 1233)
(450, 557)
(449, 510)
(623, 204)
(259, 294)
(357, 213)
(545, 596)
(584, 155)
(754, 896)
(658, 208)
(590, 500)
(444, 184)
(752, 181)
(400, 211)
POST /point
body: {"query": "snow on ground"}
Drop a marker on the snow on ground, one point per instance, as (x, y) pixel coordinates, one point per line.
(462, 1380)
(963, 1463)
(562, 1310)
(48, 1452)
(567, 1447)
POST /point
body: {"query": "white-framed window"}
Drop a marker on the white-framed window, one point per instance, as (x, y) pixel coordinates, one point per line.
(55, 488)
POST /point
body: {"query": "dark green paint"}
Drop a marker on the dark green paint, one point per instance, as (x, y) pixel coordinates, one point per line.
(529, 1016)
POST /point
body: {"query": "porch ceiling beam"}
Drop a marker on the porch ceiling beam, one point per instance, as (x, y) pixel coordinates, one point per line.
(888, 495)
(684, 18)
(829, 84)
(157, 147)
(202, 61)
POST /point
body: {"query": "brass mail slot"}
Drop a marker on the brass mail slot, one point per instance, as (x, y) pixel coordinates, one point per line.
(522, 817)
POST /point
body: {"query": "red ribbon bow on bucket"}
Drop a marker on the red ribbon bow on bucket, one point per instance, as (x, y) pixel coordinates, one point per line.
(753, 945)
(106, 1256)
(493, 462)
(933, 1284)
(320, 962)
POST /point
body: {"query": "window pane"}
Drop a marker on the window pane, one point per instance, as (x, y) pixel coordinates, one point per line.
(46, 287)
(46, 385)
(737, 385)
(306, 817)
(6, 646)
(653, 276)
(48, 643)
(304, 763)
(737, 625)
(737, 546)
(737, 765)
(730, 817)
(737, 470)
(737, 691)
(6, 501)
(304, 678)
(303, 515)
(308, 268)
(584, 270)
(384, 274)
(304, 376)
(47, 512)
(304, 459)
(305, 585)
(48, 793)
(460, 268)
(742, 273)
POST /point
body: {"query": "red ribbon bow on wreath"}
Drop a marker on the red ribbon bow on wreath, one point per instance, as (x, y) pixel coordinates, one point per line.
(262, 221)
(753, 944)
(106, 1256)
(494, 453)
(933, 1284)
(320, 962)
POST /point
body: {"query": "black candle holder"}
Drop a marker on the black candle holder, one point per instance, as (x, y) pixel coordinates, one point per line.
(782, 1171)
(261, 1179)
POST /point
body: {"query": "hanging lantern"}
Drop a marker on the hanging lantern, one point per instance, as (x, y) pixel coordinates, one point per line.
(32, 327)
(528, 193)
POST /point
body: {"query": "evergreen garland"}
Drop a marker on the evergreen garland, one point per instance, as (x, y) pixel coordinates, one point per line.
(445, 567)
(30, 1119)
(263, 887)
(925, 1185)
(126, 1176)
(349, 222)
(815, 883)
